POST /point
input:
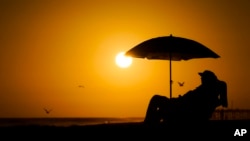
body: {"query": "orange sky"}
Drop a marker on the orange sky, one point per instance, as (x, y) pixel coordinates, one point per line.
(49, 48)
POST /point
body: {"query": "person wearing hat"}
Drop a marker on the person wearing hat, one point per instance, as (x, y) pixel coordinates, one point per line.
(209, 78)
(195, 105)
(209, 95)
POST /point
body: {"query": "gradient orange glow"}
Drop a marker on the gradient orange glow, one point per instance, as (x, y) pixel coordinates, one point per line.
(49, 48)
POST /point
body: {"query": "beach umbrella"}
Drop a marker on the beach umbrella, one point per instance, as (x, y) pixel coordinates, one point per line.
(170, 48)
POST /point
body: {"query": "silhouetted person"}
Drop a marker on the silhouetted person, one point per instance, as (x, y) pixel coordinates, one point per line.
(196, 105)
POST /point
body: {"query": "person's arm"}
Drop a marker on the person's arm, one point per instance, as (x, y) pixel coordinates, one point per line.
(223, 93)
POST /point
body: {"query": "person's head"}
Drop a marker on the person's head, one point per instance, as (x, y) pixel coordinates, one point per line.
(208, 77)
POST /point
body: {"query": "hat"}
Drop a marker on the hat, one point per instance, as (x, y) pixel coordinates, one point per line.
(208, 73)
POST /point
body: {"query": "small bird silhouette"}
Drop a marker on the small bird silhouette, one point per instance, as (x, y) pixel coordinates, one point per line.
(47, 110)
(81, 86)
(181, 83)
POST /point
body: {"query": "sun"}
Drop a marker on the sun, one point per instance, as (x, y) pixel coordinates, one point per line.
(122, 60)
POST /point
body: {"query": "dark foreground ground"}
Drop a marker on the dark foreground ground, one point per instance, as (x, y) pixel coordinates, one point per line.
(133, 131)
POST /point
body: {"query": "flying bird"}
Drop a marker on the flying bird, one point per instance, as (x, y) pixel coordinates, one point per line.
(81, 86)
(181, 83)
(47, 110)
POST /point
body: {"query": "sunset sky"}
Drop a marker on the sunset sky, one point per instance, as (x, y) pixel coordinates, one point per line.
(48, 48)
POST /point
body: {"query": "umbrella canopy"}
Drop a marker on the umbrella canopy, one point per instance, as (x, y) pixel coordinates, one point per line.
(171, 48)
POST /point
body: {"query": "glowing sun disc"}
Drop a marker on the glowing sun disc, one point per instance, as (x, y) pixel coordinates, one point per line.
(122, 60)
